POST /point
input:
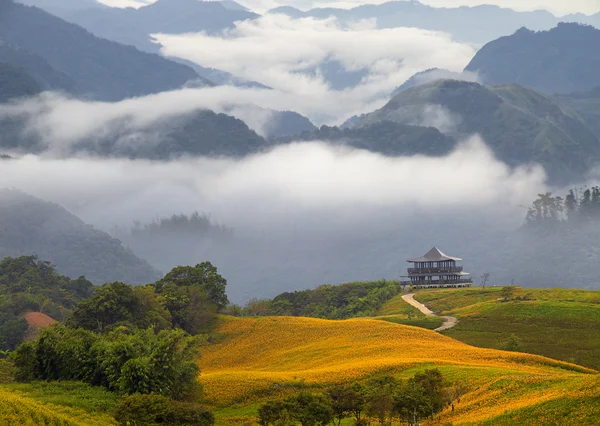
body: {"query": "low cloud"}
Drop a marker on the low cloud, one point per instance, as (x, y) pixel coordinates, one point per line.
(296, 180)
(259, 50)
(302, 214)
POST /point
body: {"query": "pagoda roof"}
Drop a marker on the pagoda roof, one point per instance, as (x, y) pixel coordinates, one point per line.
(434, 255)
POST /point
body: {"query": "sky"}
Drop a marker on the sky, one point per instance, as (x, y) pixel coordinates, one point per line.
(558, 7)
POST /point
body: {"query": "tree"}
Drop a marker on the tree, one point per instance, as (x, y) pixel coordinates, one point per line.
(203, 276)
(512, 344)
(346, 400)
(484, 279)
(309, 409)
(191, 309)
(379, 398)
(274, 413)
(112, 303)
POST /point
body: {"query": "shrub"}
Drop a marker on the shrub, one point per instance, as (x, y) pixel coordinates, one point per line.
(150, 410)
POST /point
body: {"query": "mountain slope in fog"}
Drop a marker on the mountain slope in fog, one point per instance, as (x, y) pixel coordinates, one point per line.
(47, 77)
(385, 137)
(102, 69)
(520, 125)
(563, 60)
(477, 25)
(15, 83)
(30, 226)
(586, 105)
(134, 26)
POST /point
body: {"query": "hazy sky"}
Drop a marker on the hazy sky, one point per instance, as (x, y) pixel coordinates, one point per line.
(559, 7)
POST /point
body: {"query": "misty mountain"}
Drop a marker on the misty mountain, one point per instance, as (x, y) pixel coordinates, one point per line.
(520, 125)
(564, 59)
(16, 83)
(385, 137)
(134, 26)
(47, 77)
(63, 8)
(101, 69)
(586, 105)
(287, 123)
(478, 25)
(430, 75)
(30, 226)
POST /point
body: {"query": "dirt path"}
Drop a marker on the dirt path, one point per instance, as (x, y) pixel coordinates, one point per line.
(449, 323)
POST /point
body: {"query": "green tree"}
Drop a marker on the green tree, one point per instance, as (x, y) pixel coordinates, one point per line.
(203, 276)
(154, 410)
(345, 401)
(112, 303)
(379, 398)
(512, 344)
(309, 409)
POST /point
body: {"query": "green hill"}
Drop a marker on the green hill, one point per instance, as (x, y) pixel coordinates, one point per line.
(564, 59)
(520, 125)
(30, 226)
(47, 77)
(586, 105)
(15, 83)
(558, 323)
(102, 69)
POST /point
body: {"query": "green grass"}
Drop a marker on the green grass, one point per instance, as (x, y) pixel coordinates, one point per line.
(558, 323)
(430, 323)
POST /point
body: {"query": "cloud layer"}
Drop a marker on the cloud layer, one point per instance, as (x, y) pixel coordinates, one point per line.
(289, 54)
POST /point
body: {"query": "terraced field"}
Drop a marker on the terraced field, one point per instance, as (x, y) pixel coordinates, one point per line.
(260, 358)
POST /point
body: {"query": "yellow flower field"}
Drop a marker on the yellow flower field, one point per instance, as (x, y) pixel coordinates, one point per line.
(265, 357)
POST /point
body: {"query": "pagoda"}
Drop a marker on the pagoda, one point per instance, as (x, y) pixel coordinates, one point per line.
(435, 269)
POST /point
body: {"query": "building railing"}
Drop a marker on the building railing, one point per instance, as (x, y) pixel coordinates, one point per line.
(458, 283)
(448, 270)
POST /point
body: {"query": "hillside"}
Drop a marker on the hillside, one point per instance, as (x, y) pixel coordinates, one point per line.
(586, 105)
(15, 83)
(558, 323)
(102, 69)
(134, 26)
(31, 226)
(564, 59)
(519, 124)
(385, 137)
(257, 358)
(44, 75)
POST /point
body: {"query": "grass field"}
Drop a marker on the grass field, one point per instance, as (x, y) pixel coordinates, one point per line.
(261, 358)
(558, 323)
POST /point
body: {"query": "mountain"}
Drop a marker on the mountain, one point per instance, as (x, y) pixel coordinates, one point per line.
(30, 226)
(385, 137)
(519, 124)
(477, 25)
(15, 83)
(199, 133)
(586, 105)
(433, 74)
(47, 77)
(134, 26)
(564, 59)
(102, 69)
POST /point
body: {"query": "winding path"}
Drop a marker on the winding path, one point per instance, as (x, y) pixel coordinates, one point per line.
(449, 323)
